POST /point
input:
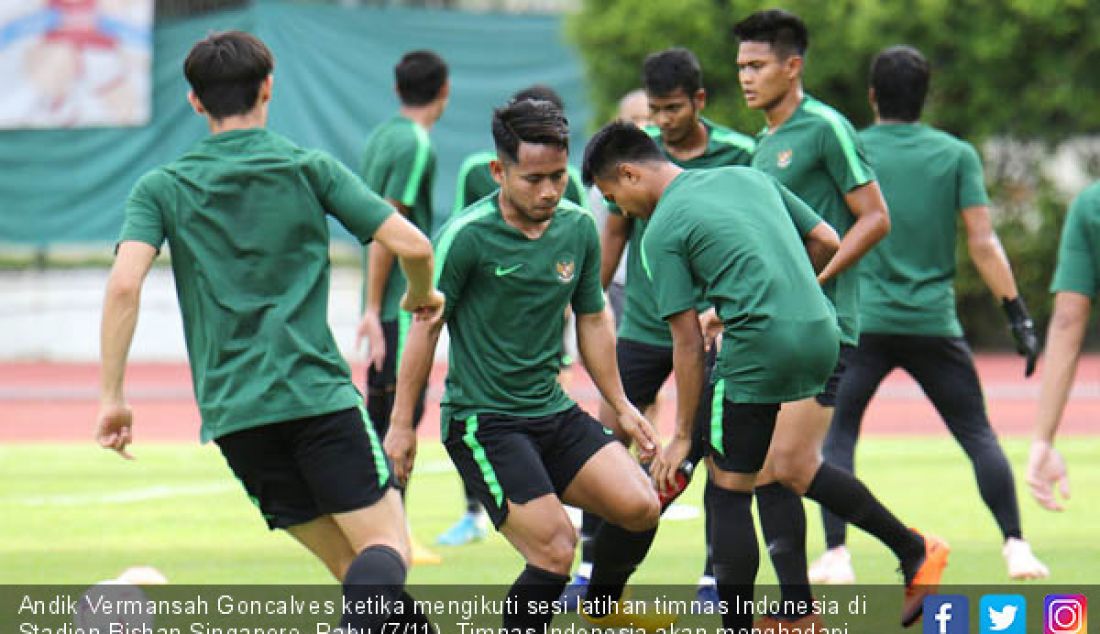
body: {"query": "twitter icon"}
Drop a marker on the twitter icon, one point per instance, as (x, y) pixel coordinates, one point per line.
(1003, 614)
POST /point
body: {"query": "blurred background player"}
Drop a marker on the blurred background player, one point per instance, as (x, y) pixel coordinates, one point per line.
(508, 267)
(1076, 282)
(475, 181)
(813, 150)
(399, 163)
(673, 82)
(907, 301)
(752, 247)
(273, 391)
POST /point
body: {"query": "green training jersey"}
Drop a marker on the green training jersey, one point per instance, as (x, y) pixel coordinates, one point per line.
(475, 181)
(734, 235)
(506, 299)
(818, 156)
(1078, 269)
(399, 164)
(907, 280)
(245, 216)
(640, 320)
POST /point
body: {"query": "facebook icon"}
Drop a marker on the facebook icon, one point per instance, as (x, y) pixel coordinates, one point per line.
(946, 614)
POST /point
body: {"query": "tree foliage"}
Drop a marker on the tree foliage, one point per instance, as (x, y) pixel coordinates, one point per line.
(1021, 69)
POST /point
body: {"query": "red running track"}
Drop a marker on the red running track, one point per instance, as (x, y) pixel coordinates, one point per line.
(51, 402)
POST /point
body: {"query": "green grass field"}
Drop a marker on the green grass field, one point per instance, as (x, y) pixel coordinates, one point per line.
(75, 514)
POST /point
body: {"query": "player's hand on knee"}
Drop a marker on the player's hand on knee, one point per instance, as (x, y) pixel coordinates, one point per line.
(114, 428)
(370, 328)
(640, 430)
(1046, 470)
(400, 446)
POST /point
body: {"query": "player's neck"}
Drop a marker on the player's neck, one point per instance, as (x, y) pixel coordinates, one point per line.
(423, 116)
(246, 121)
(532, 229)
(666, 173)
(694, 144)
(777, 114)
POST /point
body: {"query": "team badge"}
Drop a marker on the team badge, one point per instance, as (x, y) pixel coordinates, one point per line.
(565, 269)
(783, 160)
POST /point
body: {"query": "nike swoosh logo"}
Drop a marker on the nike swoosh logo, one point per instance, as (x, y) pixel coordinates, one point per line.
(501, 271)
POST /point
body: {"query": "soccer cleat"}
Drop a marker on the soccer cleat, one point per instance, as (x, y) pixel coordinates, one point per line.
(809, 624)
(834, 567)
(1022, 563)
(651, 622)
(468, 529)
(421, 555)
(926, 581)
(574, 593)
(706, 599)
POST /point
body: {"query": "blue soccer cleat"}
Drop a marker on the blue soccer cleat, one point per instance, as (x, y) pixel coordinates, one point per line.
(574, 593)
(468, 529)
(706, 599)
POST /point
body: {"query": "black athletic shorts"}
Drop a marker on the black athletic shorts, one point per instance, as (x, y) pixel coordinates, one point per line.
(299, 470)
(644, 369)
(381, 385)
(739, 433)
(502, 457)
(827, 396)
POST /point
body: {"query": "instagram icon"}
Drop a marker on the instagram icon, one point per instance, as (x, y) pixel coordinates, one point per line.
(1065, 614)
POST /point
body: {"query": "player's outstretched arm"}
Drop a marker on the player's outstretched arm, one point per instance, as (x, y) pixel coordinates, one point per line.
(688, 366)
(596, 342)
(992, 264)
(872, 224)
(1045, 468)
(414, 253)
(412, 374)
(120, 313)
(613, 239)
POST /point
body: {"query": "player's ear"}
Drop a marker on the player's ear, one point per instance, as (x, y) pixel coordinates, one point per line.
(196, 105)
(699, 99)
(628, 172)
(871, 99)
(793, 65)
(496, 169)
(266, 87)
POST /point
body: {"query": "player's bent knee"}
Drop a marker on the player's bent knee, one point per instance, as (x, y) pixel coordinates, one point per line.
(641, 513)
(556, 553)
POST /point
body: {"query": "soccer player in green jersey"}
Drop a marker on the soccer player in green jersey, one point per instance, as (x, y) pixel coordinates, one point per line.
(751, 247)
(399, 164)
(673, 82)
(1075, 285)
(813, 150)
(508, 267)
(907, 301)
(475, 181)
(245, 214)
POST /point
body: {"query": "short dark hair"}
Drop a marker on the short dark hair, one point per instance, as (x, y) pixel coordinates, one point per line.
(528, 121)
(226, 69)
(783, 30)
(665, 71)
(540, 92)
(420, 76)
(900, 75)
(615, 143)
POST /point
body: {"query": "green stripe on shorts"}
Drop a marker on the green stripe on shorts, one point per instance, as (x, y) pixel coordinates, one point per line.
(376, 447)
(716, 416)
(482, 461)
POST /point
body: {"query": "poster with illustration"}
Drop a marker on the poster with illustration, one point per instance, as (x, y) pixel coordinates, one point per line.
(75, 63)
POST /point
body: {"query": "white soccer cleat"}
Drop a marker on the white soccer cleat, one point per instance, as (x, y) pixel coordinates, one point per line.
(1022, 563)
(833, 567)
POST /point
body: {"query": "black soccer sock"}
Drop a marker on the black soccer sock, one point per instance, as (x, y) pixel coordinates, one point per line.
(532, 585)
(374, 583)
(736, 555)
(473, 507)
(995, 481)
(590, 527)
(843, 494)
(783, 522)
(616, 553)
(708, 519)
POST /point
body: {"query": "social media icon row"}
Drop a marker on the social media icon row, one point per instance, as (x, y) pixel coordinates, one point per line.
(1004, 614)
